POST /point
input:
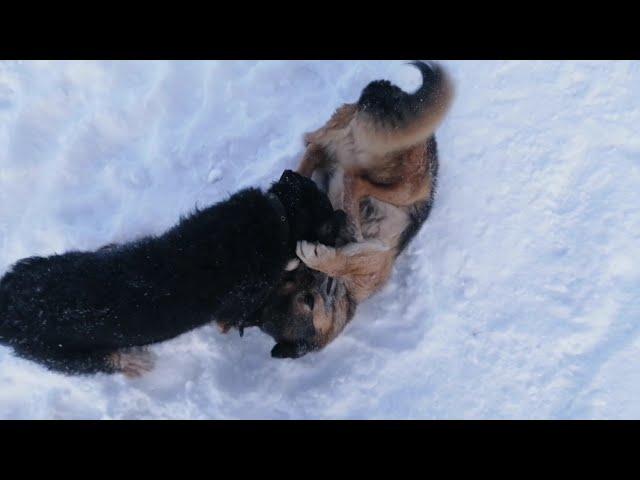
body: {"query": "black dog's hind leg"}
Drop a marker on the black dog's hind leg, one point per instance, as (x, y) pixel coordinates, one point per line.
(132, 362)
(67, 361)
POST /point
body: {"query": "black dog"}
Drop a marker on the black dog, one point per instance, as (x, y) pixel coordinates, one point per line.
(82, 312)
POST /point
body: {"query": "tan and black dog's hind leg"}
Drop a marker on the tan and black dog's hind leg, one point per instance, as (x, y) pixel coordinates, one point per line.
(404, 180)
(363, 267)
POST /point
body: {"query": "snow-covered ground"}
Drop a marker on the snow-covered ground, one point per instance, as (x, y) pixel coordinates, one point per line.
(518, 299)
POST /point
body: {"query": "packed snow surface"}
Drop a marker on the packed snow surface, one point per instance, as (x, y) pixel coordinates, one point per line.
(518, 299)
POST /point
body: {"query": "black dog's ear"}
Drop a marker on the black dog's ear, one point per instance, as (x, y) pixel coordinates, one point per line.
(288, 175)
(289, 350)
(329, 232)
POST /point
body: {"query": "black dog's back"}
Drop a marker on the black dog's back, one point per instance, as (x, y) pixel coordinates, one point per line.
(70, 311)
(106, 299)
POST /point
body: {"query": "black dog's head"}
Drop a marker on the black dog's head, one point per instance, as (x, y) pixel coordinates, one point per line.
(308, 308)
(309, 211)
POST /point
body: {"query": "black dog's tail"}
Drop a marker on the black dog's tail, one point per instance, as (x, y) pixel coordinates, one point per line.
(7, 326)
(390, 119)
(4, 313)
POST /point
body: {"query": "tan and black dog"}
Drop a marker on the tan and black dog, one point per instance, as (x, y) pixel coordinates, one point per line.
(377, 160)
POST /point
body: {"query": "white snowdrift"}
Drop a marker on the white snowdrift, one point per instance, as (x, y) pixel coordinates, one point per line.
(518, 299)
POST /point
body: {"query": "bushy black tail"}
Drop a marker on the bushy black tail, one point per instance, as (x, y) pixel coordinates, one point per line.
(390, 119)
(4, 312)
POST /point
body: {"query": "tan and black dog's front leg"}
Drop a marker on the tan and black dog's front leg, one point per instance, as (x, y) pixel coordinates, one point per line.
(325, 259)
(363, 266)
(352, 193)
(314, 157)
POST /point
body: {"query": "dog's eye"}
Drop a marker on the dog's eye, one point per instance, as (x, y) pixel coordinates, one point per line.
(308, 300)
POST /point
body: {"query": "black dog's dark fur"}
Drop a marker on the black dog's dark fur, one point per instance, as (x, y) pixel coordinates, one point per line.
(71, 312)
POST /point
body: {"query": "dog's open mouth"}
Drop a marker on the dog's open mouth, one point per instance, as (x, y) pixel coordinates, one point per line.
(329, 289)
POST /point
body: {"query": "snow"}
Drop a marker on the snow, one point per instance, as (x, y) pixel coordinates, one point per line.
(518, 299)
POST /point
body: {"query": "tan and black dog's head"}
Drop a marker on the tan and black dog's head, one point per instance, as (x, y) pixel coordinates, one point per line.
(306, 312)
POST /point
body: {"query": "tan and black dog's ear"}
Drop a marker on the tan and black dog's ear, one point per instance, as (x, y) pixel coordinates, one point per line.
(289, 350)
